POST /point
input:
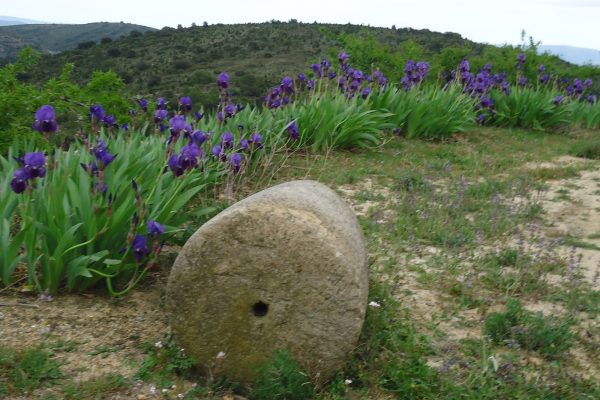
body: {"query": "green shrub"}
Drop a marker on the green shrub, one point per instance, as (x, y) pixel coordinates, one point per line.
(427, 113)
(531, 108)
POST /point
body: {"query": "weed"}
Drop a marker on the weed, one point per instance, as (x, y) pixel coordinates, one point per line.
(27, 370)
(550, 336)
(282, 378)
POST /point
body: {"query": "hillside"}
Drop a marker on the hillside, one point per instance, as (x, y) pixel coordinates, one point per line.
(172, 61)
(6, 21)
(53, 38)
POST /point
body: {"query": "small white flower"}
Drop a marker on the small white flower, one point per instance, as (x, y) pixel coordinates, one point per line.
(348, 381)
(173, 387)
(374, 304)
(152, 389)
(180, 395)
(164, 390)
(221, 355)
(158, 345)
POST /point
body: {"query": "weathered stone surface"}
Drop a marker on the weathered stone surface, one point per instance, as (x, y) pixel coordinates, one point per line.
(282, 269)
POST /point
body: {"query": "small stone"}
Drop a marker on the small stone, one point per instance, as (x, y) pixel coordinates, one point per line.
(285, 268)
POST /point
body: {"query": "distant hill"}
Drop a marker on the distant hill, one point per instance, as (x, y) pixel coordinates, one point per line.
(173, 62)
(6, 21)
(575, 55)
(54, 38)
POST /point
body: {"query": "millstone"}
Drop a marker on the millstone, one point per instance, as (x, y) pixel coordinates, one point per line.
(282, 269)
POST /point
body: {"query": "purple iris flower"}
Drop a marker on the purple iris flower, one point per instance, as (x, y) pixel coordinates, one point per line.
(256, 139)
(244, 144)
(486, 102)
(366, 92)
(199, 137)
(591, 99)
(521, 58)
(481, 119)
(19, 181)
(558, 99)
(174, 165)
(188, 158)
(544, 78)
(343, 57)
(223, 80)
(317, 70)
(235, 160)
(325, 64)
(287, 85)
(45, 119)
(541, 69)
(293, 131)
(522, 81)
(185, 103)
(35, 163)
(160, 115)
(587, 83)
(161, 104)
(217, 152)
(103, 156)
(143, 103)
(177, 124)
(198, 116)
(229, 110)
(96, 113)
(110, 121)
(302, 77)
(331, 74)
(464, 66)
(227, 140)
(310, 84)
(155, 229)
(139, 247)
(125, 127)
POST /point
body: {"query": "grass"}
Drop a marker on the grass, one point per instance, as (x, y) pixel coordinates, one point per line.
(24, 371)
(456, 261)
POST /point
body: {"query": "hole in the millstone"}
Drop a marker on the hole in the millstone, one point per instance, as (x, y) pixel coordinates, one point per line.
(260, 309)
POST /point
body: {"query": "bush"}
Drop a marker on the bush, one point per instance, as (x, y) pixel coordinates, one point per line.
(531, 108)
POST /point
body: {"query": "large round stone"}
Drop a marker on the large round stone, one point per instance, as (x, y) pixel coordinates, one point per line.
(282, 269)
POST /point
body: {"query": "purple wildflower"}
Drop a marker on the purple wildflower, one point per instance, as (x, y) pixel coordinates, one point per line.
(45, 119)
(558, 99)
(35, 163)
(143, 103)
(160, 115)
(235, 160)
(19, 181)
(96, 113)
(155, 229)
(227, 140)
(139, 247)
(177, 124)
(185, 103)
(293, 131)
(223, 80)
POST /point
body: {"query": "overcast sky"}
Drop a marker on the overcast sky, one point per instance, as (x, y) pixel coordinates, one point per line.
(557, 22)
